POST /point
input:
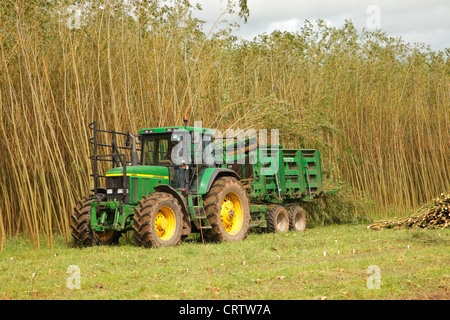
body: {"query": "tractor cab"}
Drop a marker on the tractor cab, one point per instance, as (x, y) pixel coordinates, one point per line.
(177, 148)
(171, 156)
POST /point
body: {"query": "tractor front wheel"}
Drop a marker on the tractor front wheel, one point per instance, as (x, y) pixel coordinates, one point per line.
(80, 226)
(158, 221)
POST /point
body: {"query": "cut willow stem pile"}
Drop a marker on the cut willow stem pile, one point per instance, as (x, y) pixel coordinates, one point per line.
(435, 215)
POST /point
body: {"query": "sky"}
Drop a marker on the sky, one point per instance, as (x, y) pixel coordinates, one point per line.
(425, 21)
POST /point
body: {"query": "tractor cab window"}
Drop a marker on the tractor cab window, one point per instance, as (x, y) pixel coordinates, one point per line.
(148, 151)
(163, 151)
(157, 149)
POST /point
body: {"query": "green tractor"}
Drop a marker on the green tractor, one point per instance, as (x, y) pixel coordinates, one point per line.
(166, 183)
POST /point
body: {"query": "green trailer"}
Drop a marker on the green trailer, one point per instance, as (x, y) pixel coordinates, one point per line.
(165, 183)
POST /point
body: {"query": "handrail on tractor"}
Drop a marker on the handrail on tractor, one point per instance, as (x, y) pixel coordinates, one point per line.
(115, 156)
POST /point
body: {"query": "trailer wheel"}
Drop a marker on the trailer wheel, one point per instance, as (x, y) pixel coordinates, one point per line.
(227, 209)
(80, 225)
(297, 218)
(277, 219)
(158, 221)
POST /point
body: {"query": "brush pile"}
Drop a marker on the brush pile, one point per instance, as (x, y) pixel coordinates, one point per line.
(435, 215)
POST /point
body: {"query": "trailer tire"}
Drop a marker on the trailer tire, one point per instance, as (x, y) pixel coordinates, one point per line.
(158, 221)
(80, 226)
(297, 218)
(277, 219)
(227, 209)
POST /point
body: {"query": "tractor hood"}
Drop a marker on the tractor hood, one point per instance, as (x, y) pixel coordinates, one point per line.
(141, 171)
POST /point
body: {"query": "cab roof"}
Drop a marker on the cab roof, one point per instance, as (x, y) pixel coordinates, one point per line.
(176, 128)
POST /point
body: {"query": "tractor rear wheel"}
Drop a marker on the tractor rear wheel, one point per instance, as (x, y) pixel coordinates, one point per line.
(297, 218)
(227, 209)
(80, 225)
(277, 218)
(158, 221)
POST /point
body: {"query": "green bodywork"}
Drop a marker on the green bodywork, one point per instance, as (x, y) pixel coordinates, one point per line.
(297, 177)
(278, 175)
(142, 179)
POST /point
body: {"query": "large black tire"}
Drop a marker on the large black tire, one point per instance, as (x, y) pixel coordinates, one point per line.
(158, 221)
(227, 209)
(297, 218)
(277, 219)
(82, 233)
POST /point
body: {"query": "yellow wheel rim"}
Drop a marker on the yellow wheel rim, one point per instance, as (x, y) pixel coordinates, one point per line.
(231, 214)
(165, 223)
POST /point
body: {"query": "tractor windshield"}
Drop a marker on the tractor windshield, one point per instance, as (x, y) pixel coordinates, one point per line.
(157, 149)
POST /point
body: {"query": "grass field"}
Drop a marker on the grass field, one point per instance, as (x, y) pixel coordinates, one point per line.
(328, 261)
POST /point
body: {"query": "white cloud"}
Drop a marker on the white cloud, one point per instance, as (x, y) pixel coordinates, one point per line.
(290, 25)
(414, 20)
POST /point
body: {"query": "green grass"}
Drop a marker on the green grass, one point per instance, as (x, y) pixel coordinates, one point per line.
(264, 266)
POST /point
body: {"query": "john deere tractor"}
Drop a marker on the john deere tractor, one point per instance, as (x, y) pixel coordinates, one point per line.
(165, 183)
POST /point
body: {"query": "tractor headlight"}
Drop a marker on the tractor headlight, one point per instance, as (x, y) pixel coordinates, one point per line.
(109, 191)
(119, 190)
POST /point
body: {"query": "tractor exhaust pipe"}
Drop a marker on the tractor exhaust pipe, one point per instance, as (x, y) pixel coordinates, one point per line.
(134, 155)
